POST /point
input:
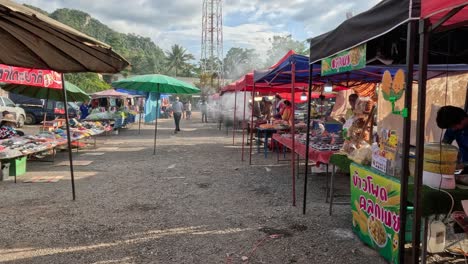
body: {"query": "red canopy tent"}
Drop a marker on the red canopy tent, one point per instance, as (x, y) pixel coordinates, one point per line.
(434, 10)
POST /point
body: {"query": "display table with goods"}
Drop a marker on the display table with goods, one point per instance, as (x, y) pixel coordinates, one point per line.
(15, 151)
(266, 130)
(321, 147)
(119, 119)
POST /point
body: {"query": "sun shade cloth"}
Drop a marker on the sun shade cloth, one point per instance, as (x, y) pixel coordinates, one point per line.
(377, 21)
(33, 40)
(436, 9)
(281, 72)
(109, 93)
(156, 83)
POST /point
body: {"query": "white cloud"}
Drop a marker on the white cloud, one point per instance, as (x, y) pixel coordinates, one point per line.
(247, 23)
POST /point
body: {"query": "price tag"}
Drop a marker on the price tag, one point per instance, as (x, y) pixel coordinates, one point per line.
(379, 163)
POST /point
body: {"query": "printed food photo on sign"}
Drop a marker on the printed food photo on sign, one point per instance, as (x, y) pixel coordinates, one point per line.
(355, 55)
(377, 232)
(386, 84)
(375, 209)
(398, 82)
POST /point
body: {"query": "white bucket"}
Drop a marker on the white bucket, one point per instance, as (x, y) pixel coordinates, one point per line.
(434, 180)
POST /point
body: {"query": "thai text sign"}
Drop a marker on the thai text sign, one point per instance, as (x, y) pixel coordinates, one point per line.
(349, 60)
(375, 205)
(31, 77)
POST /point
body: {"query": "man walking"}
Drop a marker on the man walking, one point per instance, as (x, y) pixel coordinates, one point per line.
(177, 111)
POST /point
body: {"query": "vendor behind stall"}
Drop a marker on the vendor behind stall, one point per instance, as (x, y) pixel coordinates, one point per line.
(287, 114)
(352, 99)
(455, 120)
(8, 127)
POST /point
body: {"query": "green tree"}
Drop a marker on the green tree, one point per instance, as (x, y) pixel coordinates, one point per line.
(177, 58)
(280, 45)
(142, 53)
(239, 61)
(88, 81)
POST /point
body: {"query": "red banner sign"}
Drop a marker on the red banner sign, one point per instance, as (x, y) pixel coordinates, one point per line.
(31, 77)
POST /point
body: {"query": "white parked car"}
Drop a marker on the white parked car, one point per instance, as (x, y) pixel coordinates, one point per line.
(7, 105)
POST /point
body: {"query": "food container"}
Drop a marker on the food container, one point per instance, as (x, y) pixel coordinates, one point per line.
(440, 162)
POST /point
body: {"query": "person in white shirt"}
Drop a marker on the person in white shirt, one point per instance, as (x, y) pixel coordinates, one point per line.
(188, 109)
(177, 108)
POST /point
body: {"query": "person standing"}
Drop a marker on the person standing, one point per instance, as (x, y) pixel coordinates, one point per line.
(188, 109)
(177, 108)
(84, 109)
(204, 112)
(278, 105)
(184, 105)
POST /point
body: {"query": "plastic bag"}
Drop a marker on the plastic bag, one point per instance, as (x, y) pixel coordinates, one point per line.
(362, 154)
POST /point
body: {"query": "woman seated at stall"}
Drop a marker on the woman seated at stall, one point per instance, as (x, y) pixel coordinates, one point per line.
(8, 127)
(287, 114)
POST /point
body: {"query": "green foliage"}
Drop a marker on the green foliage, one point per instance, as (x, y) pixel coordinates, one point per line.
(239, 61)
(144, 56)
(88, 81)
(177, 60)
(280, 45)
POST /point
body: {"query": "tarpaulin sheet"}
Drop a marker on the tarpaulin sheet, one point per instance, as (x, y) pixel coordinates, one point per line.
(436, 9)
(377, 21)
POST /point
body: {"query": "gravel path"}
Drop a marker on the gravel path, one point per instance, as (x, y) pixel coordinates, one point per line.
(194, 202)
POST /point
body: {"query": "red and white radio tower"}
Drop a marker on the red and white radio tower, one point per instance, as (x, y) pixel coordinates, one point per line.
(212, 41)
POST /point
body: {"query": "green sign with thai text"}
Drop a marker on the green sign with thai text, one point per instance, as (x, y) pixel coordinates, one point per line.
(345, 61)
(375, 204)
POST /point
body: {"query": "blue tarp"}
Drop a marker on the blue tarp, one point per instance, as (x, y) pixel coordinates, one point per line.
(281, 74)
(152, 101)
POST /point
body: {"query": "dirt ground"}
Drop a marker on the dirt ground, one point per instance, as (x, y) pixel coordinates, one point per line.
(195, 201)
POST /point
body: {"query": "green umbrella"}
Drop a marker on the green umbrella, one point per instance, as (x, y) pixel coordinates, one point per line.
(74, 93)
(156, 83)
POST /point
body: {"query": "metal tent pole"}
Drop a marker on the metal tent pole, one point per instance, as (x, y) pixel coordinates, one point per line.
(243, 125)
(306, 174)
(410, 49)
(423, 57)
(156, 120)
(251, 124)
(293, 150)
(234, 119)
(70, 157)
(45, 108)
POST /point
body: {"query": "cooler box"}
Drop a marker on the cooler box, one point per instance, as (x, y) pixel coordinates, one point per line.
(18, 166)
(332, 127)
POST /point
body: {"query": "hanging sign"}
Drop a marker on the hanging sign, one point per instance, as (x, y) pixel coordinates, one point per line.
(30, 77)
(393, 89)
(375, 205)
(345, 61)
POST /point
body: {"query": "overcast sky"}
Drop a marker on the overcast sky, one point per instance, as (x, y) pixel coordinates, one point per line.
(247, 23)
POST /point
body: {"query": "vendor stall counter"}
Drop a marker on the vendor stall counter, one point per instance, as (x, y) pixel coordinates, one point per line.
(375, 205)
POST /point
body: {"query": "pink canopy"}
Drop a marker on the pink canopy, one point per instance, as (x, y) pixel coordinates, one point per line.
(109, 93)
(436, 9)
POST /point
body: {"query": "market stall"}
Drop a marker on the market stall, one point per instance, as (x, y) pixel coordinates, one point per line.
(155, 85)
(381, 39)
(111, 105)
(31, 39)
